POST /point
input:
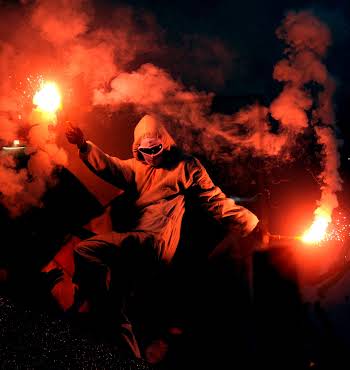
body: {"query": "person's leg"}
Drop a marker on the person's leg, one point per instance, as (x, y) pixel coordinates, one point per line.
(105, 266)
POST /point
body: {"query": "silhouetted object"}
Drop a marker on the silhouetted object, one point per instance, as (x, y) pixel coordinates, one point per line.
(279, 312)
(333, 353)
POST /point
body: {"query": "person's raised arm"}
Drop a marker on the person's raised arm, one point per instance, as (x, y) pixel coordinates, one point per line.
(116, 171)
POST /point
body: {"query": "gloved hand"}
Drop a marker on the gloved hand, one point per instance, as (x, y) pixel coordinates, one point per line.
(75, 136)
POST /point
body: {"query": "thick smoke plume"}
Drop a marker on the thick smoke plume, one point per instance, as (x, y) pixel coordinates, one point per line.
(308, 40)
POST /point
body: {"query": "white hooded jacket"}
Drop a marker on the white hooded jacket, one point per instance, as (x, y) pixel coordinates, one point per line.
(161, 191)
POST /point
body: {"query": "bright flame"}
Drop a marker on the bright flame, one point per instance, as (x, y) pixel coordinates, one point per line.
(15, 142)
(317, 231)
(48, 98)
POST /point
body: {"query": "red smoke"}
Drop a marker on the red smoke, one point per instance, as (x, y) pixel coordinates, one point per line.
(145, 87)
(302, 31)
(290, 108)
(60, 22)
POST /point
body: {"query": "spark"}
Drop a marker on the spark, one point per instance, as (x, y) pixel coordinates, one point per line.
(339, 230)
(25, 90)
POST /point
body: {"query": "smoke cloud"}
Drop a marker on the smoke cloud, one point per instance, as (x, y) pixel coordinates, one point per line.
(60, 22)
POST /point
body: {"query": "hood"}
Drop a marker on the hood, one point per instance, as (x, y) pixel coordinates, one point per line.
(150, 126)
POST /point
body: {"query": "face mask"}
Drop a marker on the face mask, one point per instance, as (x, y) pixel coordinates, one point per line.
(151, 150)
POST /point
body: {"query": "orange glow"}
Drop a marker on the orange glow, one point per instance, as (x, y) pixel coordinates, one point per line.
(16, 142)
(317, 231)
(48, 98)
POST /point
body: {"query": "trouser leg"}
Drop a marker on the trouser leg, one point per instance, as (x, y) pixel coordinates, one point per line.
(117, 256)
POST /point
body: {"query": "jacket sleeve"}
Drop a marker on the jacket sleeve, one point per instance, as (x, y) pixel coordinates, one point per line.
(116, 171)
(216, 203)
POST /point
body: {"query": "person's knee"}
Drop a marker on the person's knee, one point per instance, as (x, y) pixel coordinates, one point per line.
(79, 249)
(88, 252)
(89, 265)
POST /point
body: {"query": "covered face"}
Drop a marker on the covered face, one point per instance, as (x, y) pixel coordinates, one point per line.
(151, 141)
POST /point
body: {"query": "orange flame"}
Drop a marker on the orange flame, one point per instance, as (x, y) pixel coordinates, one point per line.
(48, 98)
(317, 231)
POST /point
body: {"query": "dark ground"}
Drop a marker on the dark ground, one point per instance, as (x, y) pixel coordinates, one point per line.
(32, 340)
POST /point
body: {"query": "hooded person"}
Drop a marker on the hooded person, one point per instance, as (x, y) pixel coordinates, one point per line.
(160, 177)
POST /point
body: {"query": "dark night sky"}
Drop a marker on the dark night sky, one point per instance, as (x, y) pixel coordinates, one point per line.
(248, 30)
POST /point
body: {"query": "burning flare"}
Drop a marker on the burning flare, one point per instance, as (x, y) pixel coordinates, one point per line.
(317, 231)
(48, 98)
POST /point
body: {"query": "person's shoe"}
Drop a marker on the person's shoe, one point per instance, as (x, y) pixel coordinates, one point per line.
(158, 350)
